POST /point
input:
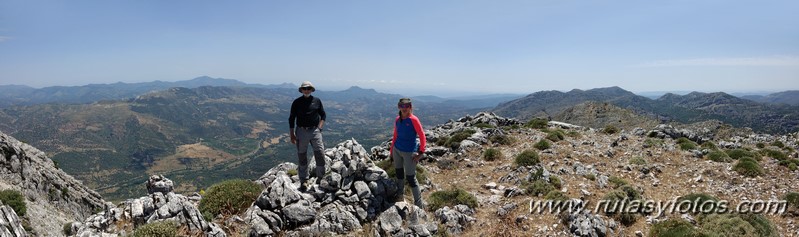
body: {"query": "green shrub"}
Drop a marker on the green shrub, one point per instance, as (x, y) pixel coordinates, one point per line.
(741, 153)
(452, 197)
(591, 177)
(542, 145)
(66, 229)
(760, 145)
(712, 205)
(686, 144)
(15, 200)
(441, 140)
(492, 154)
(537, 187)
(556, 135)
(617, 182)
(556, 195)
(617, 206)
(748, 167)
(292, 172)
(456, 139)
(555, 181)
(727, 225)
(157, 229)
(653, 142)
(537, 123)
(228, 197)
(484, 125)
(792, 166)
(610, 129)
(574, 134)
(501, 139)
(774, 154)
(719, 156)
(673, 228)
(527, 158)
(637, 161)
(792, 199)
(778, 144)
(763, 227)
(632, 192)
(709, 145)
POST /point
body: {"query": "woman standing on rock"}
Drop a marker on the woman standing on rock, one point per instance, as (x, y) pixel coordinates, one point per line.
(405, 151)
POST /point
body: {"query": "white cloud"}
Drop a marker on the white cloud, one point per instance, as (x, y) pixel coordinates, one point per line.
(753, 61)
(4, 38)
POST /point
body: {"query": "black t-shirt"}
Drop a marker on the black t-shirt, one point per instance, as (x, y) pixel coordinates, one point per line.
(307, 112)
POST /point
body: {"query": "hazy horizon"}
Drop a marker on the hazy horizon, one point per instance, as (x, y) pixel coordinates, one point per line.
(438, 47)
(445, 93)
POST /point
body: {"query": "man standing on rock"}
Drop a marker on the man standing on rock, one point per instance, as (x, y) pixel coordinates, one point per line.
(309, 114)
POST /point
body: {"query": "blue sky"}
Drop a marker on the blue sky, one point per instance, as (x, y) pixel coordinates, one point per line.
(396, 46)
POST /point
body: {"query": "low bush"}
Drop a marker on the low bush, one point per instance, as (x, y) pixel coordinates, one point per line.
(707, 203)
(451, 198)
(574, 134)
(492, 154)
(15, 200)
(556, 135)
(527, 158)
(292, 172)
(501, 139)
(748, 167)
(709, 145)
(537, 123)
(741, 153)
(229, 197)
(610, 129)
(674, 228)
(763, 226)
(719, 156)
(779, 155)
(653, 142)
(556, 195)
(792, 199)
(484, 125)
(727, 225)
(537, 187)
(542, 145)
(778, 144)
(617, 182)
(637, 161)
(157, 229)
(760, 145)
(454, 141)
(686, 144)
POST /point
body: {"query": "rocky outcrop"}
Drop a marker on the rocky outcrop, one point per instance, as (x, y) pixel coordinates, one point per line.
(353, 193)
(160, 205)
(10, 225)
(52, 196)
(455, 219)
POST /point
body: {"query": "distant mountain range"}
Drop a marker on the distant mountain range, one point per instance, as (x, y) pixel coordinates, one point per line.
(693, 107)
(24, 95)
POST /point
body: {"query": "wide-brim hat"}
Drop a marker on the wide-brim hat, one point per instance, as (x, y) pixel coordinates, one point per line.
(404, 101)
(306, 84)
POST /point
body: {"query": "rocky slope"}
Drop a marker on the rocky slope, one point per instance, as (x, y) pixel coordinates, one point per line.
(53, 197)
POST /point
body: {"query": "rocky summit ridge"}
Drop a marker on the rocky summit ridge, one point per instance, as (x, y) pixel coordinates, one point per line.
(354, 197)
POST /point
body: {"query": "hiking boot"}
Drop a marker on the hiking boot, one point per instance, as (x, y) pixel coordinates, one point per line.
(303, 188)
